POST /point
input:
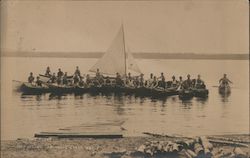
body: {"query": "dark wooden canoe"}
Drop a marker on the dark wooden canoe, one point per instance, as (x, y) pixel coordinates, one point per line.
(164, 92)
(29, 88)
(54, 88)
(200, 92)
(186, 94)
(224, 89)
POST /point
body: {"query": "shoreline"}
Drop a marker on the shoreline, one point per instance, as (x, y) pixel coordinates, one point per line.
(117, 147)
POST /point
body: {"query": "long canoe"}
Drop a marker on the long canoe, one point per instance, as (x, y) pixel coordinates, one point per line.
(54, 88)
(140, 91)
(224, 89)
(200, 92)
(186, 93)
(33, 89)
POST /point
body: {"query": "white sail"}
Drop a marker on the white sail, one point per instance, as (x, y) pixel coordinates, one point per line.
(113, 60)
(131, 64)
(116, 59)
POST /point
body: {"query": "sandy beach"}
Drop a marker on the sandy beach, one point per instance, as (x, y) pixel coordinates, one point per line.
(123, 147)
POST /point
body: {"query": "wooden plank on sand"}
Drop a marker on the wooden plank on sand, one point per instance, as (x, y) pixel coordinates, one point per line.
(78, 135)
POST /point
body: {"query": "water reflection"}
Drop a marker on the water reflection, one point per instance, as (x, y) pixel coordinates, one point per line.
(225, 97)
(202, 100)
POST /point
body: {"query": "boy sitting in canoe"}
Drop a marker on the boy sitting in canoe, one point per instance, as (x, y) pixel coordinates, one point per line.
(38, 81)
(200, 83)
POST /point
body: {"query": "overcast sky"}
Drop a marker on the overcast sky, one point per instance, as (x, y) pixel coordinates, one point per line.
(199, 26)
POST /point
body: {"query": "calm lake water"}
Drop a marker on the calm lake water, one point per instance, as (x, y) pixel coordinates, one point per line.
(24, 115)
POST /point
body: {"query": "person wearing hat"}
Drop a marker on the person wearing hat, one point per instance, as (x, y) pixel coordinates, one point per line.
(38, 81)
(31, 78)
(225, 80)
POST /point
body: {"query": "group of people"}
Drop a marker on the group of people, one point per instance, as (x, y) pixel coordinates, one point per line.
(62, 78)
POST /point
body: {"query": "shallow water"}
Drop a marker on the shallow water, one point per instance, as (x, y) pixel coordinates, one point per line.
(24, 115)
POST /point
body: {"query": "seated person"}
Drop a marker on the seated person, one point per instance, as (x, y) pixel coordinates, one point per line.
(107, 81)
(174, 82)
(53, 78)
(200, 83)
(38, 81)
(118, 80)
(154, 83)
(47, 73)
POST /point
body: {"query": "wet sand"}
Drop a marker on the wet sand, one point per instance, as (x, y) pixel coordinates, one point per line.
(85, 148)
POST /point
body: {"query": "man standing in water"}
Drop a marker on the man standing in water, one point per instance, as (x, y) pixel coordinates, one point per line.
(225, 80)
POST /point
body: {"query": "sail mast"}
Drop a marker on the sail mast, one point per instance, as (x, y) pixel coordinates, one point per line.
(125, 62)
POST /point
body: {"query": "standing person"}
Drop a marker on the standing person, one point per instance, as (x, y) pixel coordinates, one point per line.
(224, 80)
(150, 80)
(47, 73)
(31, 78)
(162, 81)
(65, 79)
(141, 82)
(77, 72)
(59, 73)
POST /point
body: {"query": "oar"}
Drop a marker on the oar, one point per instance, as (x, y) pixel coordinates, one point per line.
(17, 81)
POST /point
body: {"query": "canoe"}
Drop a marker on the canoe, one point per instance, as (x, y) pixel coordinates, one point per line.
(186, 94)
(164, 92)
(107, 89)
(224, 89)
(200, 92)
(54, 88)
(80, 89)
(29, 88)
